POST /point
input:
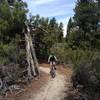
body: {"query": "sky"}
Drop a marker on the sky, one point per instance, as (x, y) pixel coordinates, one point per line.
(62, 10)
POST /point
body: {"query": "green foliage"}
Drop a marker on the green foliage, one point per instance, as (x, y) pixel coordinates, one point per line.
(6, 52)
(59, 51)
(84, 38)
(12, 20)
(69, 26)
(48, 33)
(10, 53)
(80, 56)
(84, 42)
(85, 25)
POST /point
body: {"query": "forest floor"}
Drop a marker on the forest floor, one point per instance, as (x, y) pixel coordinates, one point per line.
(47, 88)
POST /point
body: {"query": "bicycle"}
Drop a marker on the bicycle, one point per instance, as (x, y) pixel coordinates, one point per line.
(52, 71)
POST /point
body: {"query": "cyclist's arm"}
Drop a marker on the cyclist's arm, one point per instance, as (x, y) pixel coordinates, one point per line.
(56, 58)
(49, 58)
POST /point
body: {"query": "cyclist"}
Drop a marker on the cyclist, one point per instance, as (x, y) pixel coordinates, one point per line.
(52, 60)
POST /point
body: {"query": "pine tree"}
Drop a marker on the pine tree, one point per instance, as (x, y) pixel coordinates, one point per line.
(69, 26)
(86, 19)
(60, 32)
(47, 34)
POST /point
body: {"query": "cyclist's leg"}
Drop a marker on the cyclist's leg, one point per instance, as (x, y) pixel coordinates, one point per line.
(51, 67)
(51, 64)
(54, 72)
(54, 68)
(54, 64)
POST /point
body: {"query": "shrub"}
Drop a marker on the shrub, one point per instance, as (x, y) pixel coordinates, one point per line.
(87, 71)
(10, 53)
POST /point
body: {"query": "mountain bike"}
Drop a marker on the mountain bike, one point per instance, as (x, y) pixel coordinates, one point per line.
(53, 71)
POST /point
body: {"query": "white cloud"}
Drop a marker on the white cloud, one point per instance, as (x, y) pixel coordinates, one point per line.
(62, 10)
(54, 13)
(41, 2)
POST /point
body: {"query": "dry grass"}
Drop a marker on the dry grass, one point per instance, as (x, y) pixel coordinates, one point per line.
(35, 85)
(32, 87)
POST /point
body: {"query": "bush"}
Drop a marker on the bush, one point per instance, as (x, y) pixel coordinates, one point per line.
(87, 71)
(86, 65)
(10, 53)
(63, 53)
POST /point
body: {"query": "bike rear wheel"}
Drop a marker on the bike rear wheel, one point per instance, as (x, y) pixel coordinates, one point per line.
(53, 73)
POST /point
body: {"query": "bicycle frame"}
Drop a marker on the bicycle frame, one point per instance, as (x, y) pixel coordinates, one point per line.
(52, 71)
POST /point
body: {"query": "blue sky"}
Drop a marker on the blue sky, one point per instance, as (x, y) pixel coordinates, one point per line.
(62, 10)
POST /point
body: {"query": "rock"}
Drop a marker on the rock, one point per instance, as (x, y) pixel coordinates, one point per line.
(14, 87)
(83, 97)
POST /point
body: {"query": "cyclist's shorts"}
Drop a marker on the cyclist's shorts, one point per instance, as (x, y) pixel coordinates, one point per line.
(52, 63)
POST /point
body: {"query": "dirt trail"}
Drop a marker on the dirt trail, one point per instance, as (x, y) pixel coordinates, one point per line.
(54, 89)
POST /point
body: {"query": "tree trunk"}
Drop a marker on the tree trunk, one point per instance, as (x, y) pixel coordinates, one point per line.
(1, 83)
(34, 55)
(30, 54)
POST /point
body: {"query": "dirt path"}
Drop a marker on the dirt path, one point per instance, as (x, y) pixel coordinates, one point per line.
(54, 89)
(47, 88)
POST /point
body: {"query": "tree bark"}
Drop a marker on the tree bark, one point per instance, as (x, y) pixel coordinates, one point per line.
(34, 55)
(1, 83)
(30, 55)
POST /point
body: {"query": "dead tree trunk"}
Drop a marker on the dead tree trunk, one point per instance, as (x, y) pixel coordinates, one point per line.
(1, 83)
(30, 54)
(34, 55)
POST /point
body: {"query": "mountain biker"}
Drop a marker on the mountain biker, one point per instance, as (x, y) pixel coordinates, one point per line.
(52, 60)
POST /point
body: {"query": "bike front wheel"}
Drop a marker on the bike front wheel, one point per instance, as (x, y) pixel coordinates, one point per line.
(52, 73)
